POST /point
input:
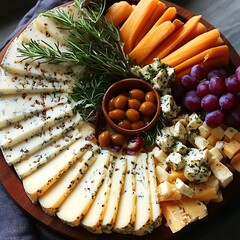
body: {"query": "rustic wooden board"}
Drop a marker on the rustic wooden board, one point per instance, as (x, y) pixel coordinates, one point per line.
(14, 188)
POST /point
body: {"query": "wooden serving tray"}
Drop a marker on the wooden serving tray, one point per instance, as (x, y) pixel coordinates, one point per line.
(14, 187)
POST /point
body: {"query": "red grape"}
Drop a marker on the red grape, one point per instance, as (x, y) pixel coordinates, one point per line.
(219, 72)
(227, 101)
(192, 101)
(198, 72)
(232, 85)
(210, 103)
(214, 119)
(178, 92)
(216, 85)
(188, 82)
(203, 89)
(237, 73)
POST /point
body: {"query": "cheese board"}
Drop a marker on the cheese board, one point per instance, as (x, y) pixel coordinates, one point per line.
(16, 191)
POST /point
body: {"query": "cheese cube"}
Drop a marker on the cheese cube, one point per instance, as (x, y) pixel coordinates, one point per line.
(200, 142)
(213, 182)
(177, 174)
(183, 118)
(197, 157)
(230, 132)
(176, 161)
(212, 140)
(194, 122)
(237, 137)
(160, 155)
(184, 188)
(218, 133)
(204, 130)
(222, 173)
(219, 197)
(168, 192)
(231, 148)
(203, 192)
(196, 174)
(215, 155)
(179, 131)
(162, 175)
(180, 148)
(219, 145)
(166, 140)
(235, 162)
(169, 107)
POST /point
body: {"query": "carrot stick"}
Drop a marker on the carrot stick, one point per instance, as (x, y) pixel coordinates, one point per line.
(119, 12)
(135, 22)
(203, 57)
(150, 41)
(164, 49)
(198, 30)
(177, 24)
(192, 48)
(156, 15)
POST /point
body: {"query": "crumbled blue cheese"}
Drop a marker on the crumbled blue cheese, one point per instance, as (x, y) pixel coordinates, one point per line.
(159, 74)
(176, 161)
(197, 157)
(195, 173)
(169, 107)
(180, 131)
(180, 148)
(194, 122)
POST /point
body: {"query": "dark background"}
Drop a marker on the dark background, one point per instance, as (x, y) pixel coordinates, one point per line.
(225, 224)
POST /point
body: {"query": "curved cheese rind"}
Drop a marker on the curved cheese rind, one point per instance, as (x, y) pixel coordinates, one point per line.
(75, 207)
(118, 178)
(38, 182)
(126, 215)
(51, 200)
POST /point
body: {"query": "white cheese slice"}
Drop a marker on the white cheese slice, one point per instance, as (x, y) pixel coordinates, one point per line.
(38, 159)
(144, 218)
(156, 211)
(38, 182)
(24, 129)
(126, 215)
(51, 200)
(75, 207)
(94, 217)
(184, 188)
(28, 147)
(118, 178)
(14, 83)
(17, 107)
(12, 62)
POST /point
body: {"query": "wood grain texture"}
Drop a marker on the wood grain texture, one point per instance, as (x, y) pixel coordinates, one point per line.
(15, 189)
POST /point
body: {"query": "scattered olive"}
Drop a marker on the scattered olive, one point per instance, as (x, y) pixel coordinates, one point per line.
(117, 115)
(134, 104)
(137, 94)
(120, 101)
(138, 124)
(132, 115)
(104, 139)
(111, 105)
(150, 96)
(148, 108)
(125, 124)
(118, 139)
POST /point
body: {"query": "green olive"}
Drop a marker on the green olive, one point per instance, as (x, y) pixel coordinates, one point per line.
(138, 124)
(148, 108)
(118, 139)
(150, 97)
(134, 104)
(137, 94)
(120, 101)
(111, 105)
(125, 124)
(117, 115)
(104, 139)
(132, 115)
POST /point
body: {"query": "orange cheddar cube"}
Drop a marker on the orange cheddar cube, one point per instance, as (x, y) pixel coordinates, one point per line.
(235, 162)
(237, 137)
(168, 192)
(203, 192)
(177, 174)
(226, 139)
(231, 149)
(212, 140)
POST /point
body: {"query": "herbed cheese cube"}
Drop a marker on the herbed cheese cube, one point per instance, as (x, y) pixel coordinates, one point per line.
(168, 192)
(184, 188)
(230, 132)
(179, 131)
(218, 132)
(160, 155)
(166, 140)
(162, 175)
(197, 157)
(222, 173)
(204, 130)
(194, 122)
(196, 174)
(200, 142)
(183, 118)
(176, 161)
(169, 107)
(180, 148)
(215, 155)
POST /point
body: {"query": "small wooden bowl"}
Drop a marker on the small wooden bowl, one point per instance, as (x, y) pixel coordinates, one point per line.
(123, 86)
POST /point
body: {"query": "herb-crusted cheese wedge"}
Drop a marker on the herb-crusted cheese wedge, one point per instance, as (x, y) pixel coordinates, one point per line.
(11, 83)
(156, 211)
(33, 125)
(38, 182)
(94, 217)
(118, 178)
(56, 194)
(76, 206)
(17, 107)
(28, 147)
(144, 218)
(38, 159)
(127, 206)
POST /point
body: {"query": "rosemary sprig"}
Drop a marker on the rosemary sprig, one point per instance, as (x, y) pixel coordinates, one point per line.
(93, 42)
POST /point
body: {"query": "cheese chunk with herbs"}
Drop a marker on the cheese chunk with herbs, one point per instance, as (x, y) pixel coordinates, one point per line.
(19, 106)
(166, 140)
(38, 182)
(34, 125)
(168, 192)
(184, 188)
(169, 107)
(176, 161)
(126, 214)
(51, 200)
(118, 179)
(194, 122)
(77, 204)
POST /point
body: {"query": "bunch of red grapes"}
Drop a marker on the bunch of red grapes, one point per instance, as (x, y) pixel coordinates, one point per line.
(214, 95)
